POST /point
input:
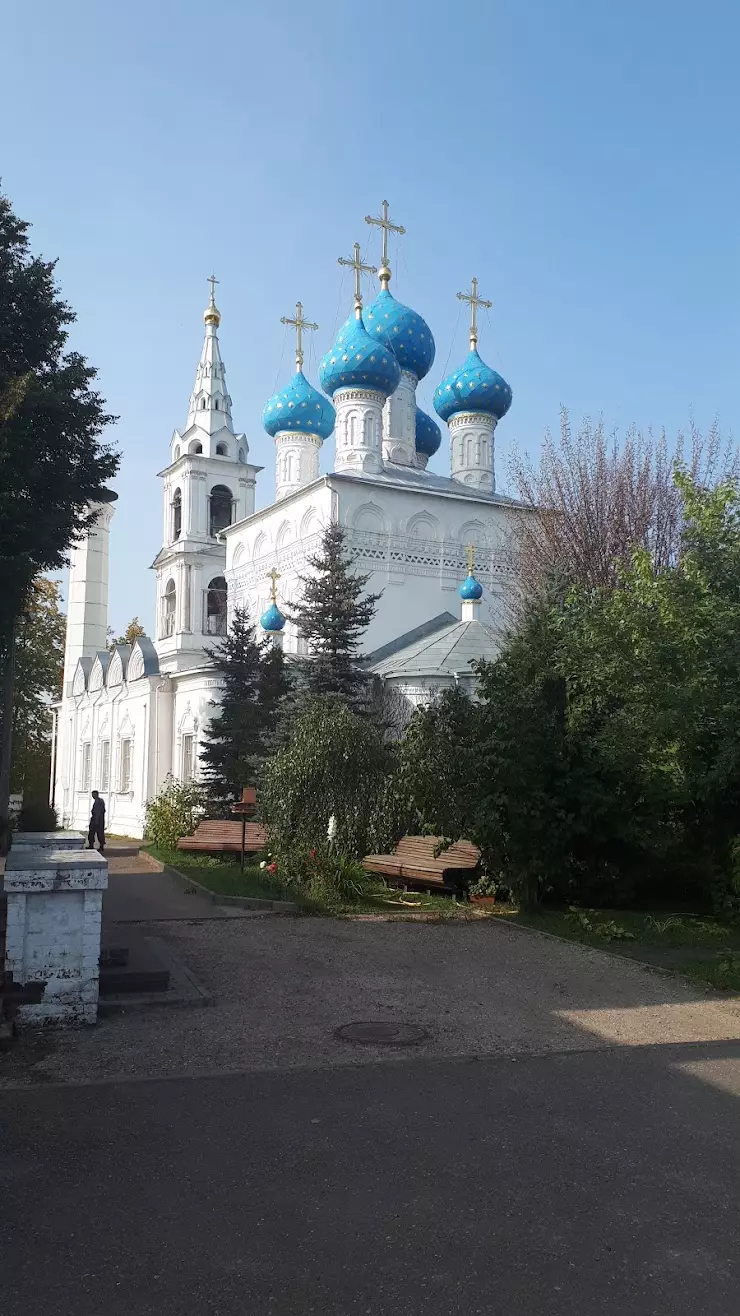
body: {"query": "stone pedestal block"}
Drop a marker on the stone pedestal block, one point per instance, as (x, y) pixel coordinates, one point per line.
(48, 840)
(55, 904)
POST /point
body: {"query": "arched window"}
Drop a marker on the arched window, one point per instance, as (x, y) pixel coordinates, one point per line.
(169, 605)
(195, 446)
(214, 621)
(221, 450)
(242, 457)
(216, 404)
(176, 453)
(176, 514)
(220, 509)
(202, 404)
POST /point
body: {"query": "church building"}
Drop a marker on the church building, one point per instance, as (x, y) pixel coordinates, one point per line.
(438, 547)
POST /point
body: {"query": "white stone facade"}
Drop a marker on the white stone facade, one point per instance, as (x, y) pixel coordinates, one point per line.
(131, 717)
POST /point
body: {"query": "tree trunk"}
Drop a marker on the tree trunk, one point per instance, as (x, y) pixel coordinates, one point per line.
(6, 738)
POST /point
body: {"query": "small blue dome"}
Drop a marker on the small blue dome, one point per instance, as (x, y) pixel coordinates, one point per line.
(471, 589)
(272, 620)
(474, 386)
(390, 322)
(299, 407)
(357, 361)
(428, 434)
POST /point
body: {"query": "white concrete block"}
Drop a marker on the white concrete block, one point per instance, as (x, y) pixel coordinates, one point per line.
(55, 902)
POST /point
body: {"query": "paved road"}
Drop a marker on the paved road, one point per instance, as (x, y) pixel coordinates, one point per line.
(601, 1182)
(565, 1140)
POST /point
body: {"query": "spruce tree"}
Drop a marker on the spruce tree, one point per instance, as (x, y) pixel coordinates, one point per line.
(241, 734)
(331, 617)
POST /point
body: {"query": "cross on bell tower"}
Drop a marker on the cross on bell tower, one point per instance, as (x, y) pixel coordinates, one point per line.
(474, 301)
(387, 227)
(359, 269)
(299, 324)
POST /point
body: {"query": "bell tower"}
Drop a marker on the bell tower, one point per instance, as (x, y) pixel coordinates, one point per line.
(208, 484)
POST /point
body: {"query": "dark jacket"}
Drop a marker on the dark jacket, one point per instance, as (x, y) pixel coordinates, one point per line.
(97, 817)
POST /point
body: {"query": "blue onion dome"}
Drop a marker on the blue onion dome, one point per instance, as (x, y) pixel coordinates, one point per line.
(272, 620)
(299, 407)
(471, 589)
(428, 434)
(474, 386)
(357, 361)
(399, 327)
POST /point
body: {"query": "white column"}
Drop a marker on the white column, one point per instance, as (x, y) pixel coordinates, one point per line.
(296, 461)
(87, 601)
(399, 422)
(471, 449)
(358, 430)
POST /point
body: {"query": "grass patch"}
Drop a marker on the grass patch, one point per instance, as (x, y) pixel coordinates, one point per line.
(652, 937)
(224, 877)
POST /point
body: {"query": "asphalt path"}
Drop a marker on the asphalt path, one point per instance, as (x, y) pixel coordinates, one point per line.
(596, 1181)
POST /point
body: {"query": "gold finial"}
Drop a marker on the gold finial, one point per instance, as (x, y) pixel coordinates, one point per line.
(212, 314)
(299, 324)
(470, 555)
(475, 301)
(385, 224)
(358, 267)
(274, 575)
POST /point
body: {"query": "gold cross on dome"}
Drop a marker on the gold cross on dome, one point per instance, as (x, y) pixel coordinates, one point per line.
(474, 301)
(299, 324)
(274, 575)
(359, 269)
(385, 224)
(470, 555)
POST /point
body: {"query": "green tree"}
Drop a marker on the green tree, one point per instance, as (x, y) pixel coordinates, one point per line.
(39, 662)
(332, 617)
(131, 633)
(255, 688)
(334, 764)
(52, 462)
(438, 765)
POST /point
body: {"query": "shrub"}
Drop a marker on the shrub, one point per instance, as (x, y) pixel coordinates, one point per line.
(39, 817)
(329, 878)
(174, 812)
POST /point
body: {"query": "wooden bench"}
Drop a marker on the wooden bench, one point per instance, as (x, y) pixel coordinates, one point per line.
(217, 834)
(414, 862)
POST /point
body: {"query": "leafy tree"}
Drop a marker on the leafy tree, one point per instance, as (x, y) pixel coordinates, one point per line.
(131, 633)
(39, 663)
(334, 764)
(332, 616)
(52, 463)
(438, 765)
(255, 689)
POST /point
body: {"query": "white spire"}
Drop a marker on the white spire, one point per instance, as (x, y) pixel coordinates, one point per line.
(210, 404)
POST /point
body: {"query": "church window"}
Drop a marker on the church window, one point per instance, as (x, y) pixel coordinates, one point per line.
(242, 458)
(125, 773)
(188, 757)
(176, 453)
(104, 774)
(169, 605)
(195, 447)
(215, 609)
(86, 766)
(220, 507)
(176, 514)
(202, 404)
(216, 404)
(221, 450)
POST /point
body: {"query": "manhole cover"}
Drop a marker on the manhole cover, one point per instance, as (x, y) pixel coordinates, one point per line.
(382, 1034)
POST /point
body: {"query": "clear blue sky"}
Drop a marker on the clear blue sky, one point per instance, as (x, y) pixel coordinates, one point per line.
(579, 157)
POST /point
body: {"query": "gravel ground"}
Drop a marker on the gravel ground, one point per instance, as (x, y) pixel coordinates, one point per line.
(283, 985)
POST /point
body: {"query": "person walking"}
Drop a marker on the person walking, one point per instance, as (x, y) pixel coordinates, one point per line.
(97, 824)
